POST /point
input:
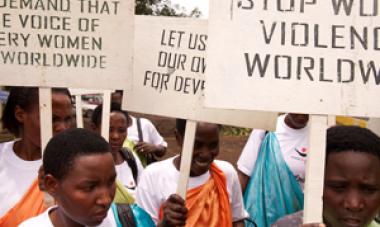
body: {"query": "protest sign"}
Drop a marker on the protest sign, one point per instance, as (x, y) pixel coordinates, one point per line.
(169, 74)
(308, 56)
(319, 57)
(66, 43)
(374, 125)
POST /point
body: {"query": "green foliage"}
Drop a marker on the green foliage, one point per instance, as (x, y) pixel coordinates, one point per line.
(168, 11)
(235, 131)
(163, 8)
(144, 7)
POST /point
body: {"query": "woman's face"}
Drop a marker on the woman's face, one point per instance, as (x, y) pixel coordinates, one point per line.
(30, 119)
(118, 130)
(62, 112)
(206, 148)
(85, 194)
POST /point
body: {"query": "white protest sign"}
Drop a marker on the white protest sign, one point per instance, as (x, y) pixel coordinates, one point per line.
(66, 43)
(308, 56)
(374, 125)
(169, 74)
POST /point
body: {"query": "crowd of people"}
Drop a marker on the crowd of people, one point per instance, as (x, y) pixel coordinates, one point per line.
(121, 183)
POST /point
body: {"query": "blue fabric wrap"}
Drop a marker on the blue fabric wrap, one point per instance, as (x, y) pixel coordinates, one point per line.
(116, 215)
(142, 218)
(272, 190)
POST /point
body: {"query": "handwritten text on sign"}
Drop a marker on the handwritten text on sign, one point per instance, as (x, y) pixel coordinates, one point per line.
(63, 34)
(311, 44)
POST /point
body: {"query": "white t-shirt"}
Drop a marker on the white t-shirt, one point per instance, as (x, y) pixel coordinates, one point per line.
(294, 145)
(125, 176)
(160, 180)
(16, 176)
(150, 133)
(43, 220)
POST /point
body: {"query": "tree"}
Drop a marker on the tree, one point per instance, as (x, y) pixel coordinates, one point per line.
(163, 8)
(144, 7)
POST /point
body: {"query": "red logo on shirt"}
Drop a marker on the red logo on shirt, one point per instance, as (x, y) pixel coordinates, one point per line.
(302, 152)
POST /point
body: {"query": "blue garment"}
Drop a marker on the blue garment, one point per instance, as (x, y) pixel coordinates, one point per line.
(140, 216)
(273, 191)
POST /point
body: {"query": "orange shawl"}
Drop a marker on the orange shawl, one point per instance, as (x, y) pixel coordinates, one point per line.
(208, 205)
(30, 205)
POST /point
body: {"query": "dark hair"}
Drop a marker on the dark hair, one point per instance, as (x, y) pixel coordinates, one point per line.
(24, 97)
(63, 91)
(119, 92)
(96, 117)
(62, 150)
(180, 125)
(352, 138)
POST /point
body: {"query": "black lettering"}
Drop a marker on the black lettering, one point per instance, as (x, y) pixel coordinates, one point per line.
(335, 36)
(351, 65)
(8, 57)
(305, 34)
(281, 9)
(347, 6)
(374, 9)
(376, 40)
(306, 68)
(288, 68)
(267, 37)
(367, 70)
(316, 37)
(363, 39)
(256, 61)
(322, 71)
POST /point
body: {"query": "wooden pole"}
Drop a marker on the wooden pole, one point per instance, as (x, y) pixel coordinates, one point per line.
(313, 204)
(78, 110)
(46, 121)
(106, 114)
(186, 156)
(331, 120)
(46, 127)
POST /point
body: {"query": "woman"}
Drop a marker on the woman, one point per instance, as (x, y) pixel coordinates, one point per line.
(20, 159)
(128, 165)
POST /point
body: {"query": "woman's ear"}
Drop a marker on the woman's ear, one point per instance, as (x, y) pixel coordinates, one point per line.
(51, 184)
(19, 114)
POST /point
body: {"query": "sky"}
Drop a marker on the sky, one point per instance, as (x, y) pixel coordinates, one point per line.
(191, 4)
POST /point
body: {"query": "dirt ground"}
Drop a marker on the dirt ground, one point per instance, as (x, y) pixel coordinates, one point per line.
(230, 149)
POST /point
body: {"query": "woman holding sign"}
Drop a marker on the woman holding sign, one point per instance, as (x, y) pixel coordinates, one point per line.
(20, 197)
(214, 195)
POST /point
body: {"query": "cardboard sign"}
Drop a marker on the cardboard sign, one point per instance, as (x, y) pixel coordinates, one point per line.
(169, 74)
(66, 43)
(308, 56)
(374, 125)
